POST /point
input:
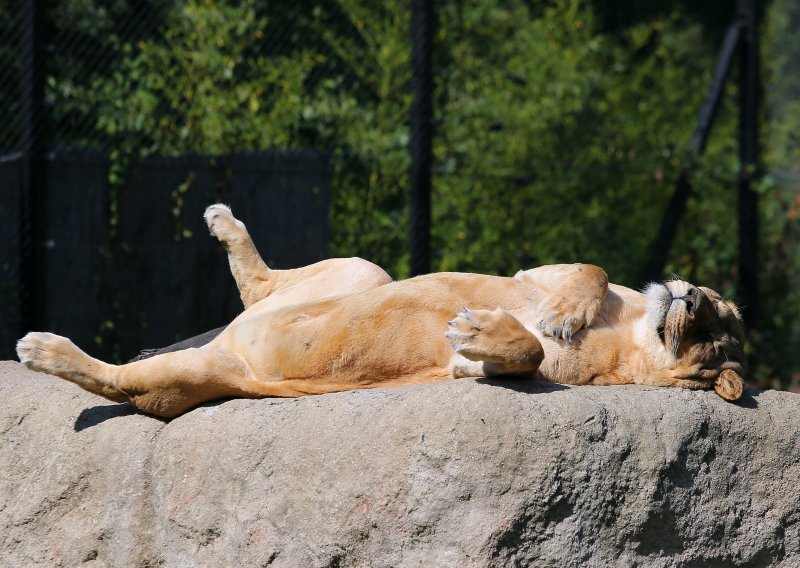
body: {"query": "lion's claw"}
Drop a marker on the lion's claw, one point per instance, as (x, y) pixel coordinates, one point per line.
(464, 327)
(561, 327)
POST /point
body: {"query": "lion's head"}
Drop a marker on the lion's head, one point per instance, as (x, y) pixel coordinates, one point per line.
(702, 332)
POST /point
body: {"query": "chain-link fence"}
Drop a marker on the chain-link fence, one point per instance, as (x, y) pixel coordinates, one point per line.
(560, 131)
(91, 204)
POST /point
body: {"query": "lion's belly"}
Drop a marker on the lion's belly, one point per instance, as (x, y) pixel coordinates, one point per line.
(330, 343)
(391, 335)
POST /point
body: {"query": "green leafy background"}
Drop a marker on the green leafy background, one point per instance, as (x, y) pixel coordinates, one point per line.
(560, 127)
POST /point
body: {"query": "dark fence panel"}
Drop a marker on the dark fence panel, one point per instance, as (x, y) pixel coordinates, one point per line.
(68, 241)
(10, 181)
(155, 276)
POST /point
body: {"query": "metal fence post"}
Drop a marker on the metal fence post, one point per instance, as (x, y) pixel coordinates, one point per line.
(32, 148)
(749, 86)
(421, 137)
(660, 249)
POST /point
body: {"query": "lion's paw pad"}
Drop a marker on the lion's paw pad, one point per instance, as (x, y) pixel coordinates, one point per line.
(44, 352)
(221, 222)
(466, 330)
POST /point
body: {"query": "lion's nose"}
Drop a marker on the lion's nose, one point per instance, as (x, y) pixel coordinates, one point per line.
(691, 299)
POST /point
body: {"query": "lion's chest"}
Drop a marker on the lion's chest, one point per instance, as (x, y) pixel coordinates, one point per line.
(592, 353)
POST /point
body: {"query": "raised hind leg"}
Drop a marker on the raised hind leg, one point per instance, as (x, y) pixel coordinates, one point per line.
(251, 273)
(165, 385)
(256, 281)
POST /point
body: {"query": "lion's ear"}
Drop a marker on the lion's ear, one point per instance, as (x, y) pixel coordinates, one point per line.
(729, 385)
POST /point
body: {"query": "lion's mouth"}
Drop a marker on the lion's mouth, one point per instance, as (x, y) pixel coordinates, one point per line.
(675, 324)
(670, 314)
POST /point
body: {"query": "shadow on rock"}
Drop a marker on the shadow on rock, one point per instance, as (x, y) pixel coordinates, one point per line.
(98, 414)
(748, 398)
(523, 384)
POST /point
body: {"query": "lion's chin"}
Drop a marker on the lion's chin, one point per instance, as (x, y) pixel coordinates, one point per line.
(669, 317)
(657, 304)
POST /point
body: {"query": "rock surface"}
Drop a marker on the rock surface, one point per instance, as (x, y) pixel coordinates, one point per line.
(465, 473)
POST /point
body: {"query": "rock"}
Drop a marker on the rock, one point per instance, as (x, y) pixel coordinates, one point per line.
(464, 473)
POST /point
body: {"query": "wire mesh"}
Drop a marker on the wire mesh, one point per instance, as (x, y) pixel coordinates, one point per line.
(542, 111)
(10, 79)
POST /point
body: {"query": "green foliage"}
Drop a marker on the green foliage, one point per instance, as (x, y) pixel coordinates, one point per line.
(782, 44)
(779, 333)
(201, 88)
(556, 140)
(556, 144)
(364, 123)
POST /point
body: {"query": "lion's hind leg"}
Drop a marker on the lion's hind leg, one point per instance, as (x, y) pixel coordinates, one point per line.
(492, 343)
(248, 268)
(165, 385)
(56, 355)
(256, 281)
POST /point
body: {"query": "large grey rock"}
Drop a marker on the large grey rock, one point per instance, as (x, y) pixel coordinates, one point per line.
(465, 473)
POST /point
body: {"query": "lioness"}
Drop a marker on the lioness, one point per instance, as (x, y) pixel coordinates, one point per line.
(343, 324)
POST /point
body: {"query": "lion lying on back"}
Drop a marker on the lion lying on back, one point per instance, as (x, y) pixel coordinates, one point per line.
(342, 324)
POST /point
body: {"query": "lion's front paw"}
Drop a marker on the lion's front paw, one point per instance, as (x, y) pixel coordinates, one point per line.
(560, 325)
(487, 335)
(465, 329)
(222, 223)
(45, 352)
(562, 318)
(496, 338)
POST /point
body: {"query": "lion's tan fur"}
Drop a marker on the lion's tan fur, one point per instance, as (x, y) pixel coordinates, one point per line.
(342, 324)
